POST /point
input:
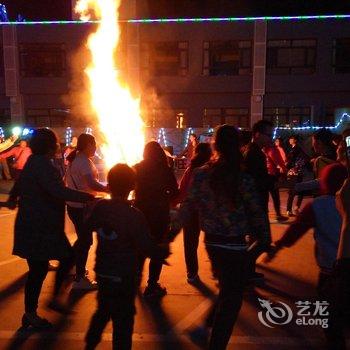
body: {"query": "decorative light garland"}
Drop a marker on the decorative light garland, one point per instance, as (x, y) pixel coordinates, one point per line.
(161, 134)
(88, 130)
(2, 135)
(193, 20)
(299, 128)
(68, 136)
(188, 134)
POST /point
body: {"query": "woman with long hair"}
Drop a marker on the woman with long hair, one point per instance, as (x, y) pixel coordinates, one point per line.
(229, 208)
(156, 187)
(191, 231)
(82, 175)
(39, 226)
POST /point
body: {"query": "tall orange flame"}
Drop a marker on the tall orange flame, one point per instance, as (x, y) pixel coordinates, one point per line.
(118, 113)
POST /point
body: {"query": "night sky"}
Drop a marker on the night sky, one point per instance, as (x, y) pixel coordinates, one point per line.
(61, 9)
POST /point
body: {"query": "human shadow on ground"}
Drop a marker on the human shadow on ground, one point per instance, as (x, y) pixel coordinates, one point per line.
(13, 287)
(46, 339)
(204, 289)
(169, 339)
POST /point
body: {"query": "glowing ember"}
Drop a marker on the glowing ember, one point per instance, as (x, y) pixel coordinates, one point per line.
(117, 111)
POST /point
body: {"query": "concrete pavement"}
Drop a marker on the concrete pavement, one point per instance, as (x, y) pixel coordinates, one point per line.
(291, 277)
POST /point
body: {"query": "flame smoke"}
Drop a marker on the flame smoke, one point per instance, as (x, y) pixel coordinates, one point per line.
(118, 113)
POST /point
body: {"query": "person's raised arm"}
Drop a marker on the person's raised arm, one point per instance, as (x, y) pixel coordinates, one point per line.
(94, 184)
(50, 180)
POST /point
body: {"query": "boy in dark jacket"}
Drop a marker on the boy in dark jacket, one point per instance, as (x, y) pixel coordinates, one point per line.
(122, 234)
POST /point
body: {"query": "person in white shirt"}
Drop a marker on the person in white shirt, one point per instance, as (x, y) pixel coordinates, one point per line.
(82, 175)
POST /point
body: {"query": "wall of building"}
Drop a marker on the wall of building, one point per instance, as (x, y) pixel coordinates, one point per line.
(193, 91)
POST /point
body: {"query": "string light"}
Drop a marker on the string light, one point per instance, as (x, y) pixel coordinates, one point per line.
(192, 20)
(189, 132)
(312, 128)
(2, 135)
(164, 138)
(68, 136)
(88, 131)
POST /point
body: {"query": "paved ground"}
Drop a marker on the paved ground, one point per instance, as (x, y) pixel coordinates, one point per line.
(289, 278)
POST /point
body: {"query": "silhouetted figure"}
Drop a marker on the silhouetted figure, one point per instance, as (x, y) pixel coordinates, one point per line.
(156, 187)
(229, 207)
(122, 233)
(191, 230)
(39, 227)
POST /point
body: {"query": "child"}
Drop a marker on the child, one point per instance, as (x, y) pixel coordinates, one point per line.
(323, 216)
(122, 233)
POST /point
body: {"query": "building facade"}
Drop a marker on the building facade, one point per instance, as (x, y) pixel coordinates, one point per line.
(194, 74)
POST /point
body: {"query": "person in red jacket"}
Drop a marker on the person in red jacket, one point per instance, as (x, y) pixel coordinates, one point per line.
(20, 154)
(202, 155)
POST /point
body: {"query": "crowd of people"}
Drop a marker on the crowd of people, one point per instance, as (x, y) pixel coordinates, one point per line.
(224, 192)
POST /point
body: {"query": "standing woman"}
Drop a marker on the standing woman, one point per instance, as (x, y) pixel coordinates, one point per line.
(39, 227)
(156, 187)
(229, 208)
(82, 175)
(202, 155)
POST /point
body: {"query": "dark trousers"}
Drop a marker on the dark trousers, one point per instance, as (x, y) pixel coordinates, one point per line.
(84, 241)
(341, 308)
(231, 268)
(292, 193)
(326, 289)
(116, 301)
(159, 227)
(191, 232)
(256, 252)
(37, 272)
(275, 194)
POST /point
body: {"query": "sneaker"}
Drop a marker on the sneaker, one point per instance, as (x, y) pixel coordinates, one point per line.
(281, 218)
(154, 291)
(84, 283)
(35, 321)
(193, 279)
(53, 267)
(290, 214)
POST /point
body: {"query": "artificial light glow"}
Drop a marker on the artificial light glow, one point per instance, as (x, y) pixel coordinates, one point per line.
(118, 113)
(16, 131)
(25, 132)
(300, 128)
(84, 19)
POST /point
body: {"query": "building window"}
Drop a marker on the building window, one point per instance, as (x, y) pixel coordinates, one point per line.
(167, 118)
(42, 60)
(164, 58)
(291, 56)
(238, 117)
(288, 116)
(54, 117)
(5, 117)
(227, 57)
(341, 55)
